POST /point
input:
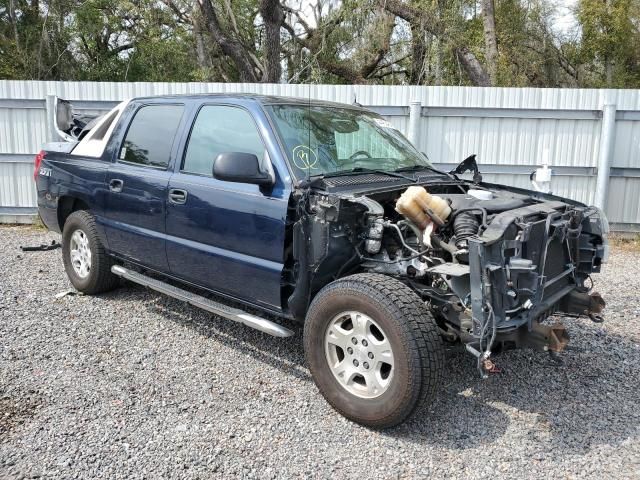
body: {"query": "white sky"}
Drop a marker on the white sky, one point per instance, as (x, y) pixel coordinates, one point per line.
(565, 21)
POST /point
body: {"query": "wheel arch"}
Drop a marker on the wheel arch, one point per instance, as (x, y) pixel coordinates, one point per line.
(67, 205)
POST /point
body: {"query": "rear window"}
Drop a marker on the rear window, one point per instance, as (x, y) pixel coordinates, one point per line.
(150, 136)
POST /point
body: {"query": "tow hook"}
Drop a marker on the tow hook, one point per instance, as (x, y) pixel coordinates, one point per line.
(584, 304)
(596, 307)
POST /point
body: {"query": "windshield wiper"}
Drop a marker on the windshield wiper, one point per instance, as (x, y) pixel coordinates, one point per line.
(361, 170)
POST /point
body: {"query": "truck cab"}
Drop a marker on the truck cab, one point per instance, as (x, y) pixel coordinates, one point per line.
(146, 176)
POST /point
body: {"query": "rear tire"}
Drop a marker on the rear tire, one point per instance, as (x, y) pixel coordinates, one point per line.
(373, 349)
(85, 260)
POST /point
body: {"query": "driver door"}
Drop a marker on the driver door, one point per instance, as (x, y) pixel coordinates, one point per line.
(227, 237)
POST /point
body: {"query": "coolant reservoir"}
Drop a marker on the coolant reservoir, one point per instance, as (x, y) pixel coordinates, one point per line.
(420, 207)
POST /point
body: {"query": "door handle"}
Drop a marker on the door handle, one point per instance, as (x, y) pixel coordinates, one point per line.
(115, 185)
(177, 196)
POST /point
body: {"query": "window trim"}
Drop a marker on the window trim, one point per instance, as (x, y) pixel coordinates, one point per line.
(266, 154)
(133, 117)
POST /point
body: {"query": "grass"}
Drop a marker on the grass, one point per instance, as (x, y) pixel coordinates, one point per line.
(35, 224)
(38, 224)
(630, 243)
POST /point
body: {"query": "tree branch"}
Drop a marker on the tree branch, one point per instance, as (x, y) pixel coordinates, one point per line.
(472, 67)
(421, 21)
(182, 16)
(230, 46)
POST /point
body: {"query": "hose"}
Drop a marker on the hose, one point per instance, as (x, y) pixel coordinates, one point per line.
(399, 232)
(482, 210)
(465, 225)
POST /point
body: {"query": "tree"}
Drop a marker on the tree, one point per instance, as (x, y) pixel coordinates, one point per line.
(229, 43)
(609, 50)
(419, 19)
(490, 39)
(92, 40)
(273, 16)
(350, 42)
(419, 42)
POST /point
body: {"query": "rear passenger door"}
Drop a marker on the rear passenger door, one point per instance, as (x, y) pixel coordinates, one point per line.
(137, 186)
(226, 236)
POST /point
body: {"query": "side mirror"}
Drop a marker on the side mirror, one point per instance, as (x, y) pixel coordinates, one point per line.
(240, 167)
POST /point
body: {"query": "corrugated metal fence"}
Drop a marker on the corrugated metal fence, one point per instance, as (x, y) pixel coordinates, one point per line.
(510, 129)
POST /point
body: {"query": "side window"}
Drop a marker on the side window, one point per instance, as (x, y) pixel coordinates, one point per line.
(220, 129)
(150, 136)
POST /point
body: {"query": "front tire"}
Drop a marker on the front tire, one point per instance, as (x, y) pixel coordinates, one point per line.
(373, 349)
(85, 260)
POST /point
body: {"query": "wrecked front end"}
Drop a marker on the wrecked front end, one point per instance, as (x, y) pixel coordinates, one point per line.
(528, 264)
(492, 263)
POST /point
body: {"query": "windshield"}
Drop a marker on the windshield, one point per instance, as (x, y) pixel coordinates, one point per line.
(321, 140)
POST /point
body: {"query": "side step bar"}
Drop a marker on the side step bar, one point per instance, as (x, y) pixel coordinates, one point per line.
(237, 315)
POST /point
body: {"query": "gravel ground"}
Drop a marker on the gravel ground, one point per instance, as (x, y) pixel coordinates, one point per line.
(133, 384)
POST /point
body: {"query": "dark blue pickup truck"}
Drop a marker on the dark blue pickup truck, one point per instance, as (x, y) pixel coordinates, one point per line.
(325, 214)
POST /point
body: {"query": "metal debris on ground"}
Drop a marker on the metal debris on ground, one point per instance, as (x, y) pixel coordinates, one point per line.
(60, 295)
(42, 247)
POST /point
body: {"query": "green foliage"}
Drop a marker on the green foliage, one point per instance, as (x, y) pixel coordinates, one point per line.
(167, 40)
(93, 40)
(610, 46)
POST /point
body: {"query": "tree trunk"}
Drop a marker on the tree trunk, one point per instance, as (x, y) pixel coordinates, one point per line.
(202, 55)
(473, 68)
(439, 60)
(229, 45)
(608, 60)
(608, 66)
(273, 16)
(418, 55)
(490, 41)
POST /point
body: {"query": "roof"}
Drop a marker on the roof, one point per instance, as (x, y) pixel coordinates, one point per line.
(261, 99)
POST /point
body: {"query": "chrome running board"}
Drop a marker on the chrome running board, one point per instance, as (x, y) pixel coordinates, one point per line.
(237, 315)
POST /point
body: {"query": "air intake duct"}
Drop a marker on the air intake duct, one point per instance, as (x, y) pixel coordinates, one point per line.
(464, 226)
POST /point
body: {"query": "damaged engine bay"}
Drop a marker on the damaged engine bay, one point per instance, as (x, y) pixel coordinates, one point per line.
(491, 262)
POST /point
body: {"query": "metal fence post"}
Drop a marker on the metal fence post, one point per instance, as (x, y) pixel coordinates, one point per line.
(415, 110)
(50, 105)
(607, 137)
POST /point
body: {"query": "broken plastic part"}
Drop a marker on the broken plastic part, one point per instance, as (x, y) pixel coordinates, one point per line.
(426, 236)
(469, 164)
